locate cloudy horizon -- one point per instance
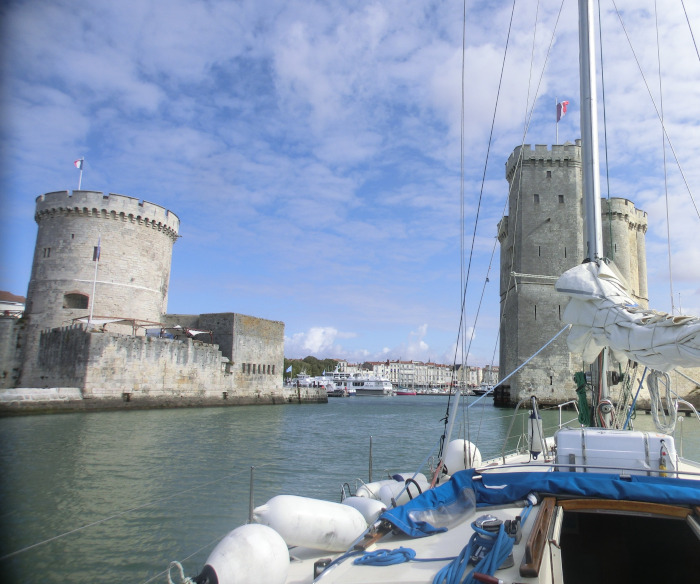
(312, 150)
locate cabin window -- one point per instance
(47, 252)
(75, 300)
(561, 199)
(537, 199)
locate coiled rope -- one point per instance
(496, 549)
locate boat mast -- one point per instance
(589, 132)
(591, 175)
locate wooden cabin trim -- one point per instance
(536, 543)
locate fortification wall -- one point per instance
(109, 370)
(10, 350)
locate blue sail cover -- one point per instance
(503, 488)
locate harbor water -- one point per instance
(114, 497)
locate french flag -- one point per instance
(79, 163)
(561, 109)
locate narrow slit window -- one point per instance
(561, 199)
(537, 199)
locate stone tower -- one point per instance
(136, 241)
(542, 237)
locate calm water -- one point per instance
(135, 490)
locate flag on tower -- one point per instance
(288, 369)
(561, 110)
(79, 163)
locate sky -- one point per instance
(312, 149)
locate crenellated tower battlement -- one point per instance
(559, 155)
(110, 206)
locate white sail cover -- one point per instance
(602, 314)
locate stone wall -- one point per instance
(110, 370)
(10, 350)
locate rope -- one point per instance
(498, 548)
(494, 549)
(183, 579)
(665, 423)
(386, 557)
(584, 411)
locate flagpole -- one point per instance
(556, 116)
(94, 279)
(79, 165)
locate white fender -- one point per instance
(370, 508)
(371, 490)
(458, 454)
(391, 491)
(250, 553)
(312, 523)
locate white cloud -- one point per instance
(311, 150)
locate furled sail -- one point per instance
(603, 314)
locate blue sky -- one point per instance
(312, 149)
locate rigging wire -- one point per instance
(690, 28)
(115, 515)
(611, 247)
(465, 284)
(658, 114)
(663, 147)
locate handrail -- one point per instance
(553, 466)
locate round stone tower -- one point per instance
(624, 241)
(134, 241)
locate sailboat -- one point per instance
(587, 505)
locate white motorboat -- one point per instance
(587, 505)
(365, 384)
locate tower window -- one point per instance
(549, 174)
(47, 252)
(75, 300)
(561, 199)
(539, 250)
(535, 311)
(537, 199)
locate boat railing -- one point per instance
(680, 425)
(522, 441)
(623, 471)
